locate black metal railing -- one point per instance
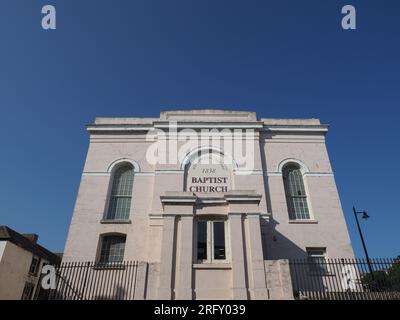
(345, 279)
(89, 281)
(316, 279)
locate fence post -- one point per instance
(141, 281)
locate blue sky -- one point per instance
(136, 58)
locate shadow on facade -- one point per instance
(265, 177)
(278, 246)
(306, 277)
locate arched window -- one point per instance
(112, 248)
(296, 196)
(121, 193)
(207, 170)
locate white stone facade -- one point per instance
(170, 198)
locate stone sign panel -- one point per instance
(208, 178)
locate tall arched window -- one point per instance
(121, 193)
(296, 196)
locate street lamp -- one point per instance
(365, 216)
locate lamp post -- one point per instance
(365, 216)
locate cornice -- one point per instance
(255, 125)
(296, 128)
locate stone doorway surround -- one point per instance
(242, 278)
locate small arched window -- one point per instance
(121, 193)
(112, 248)
(296, 196)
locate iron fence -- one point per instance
(91, 281)
(345, 279)
(322, 279)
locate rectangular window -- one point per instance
(202, 240)
(219, 240)
(316, 258)
(211, 241)
(33, 269)
(28, 291)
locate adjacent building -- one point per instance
(214, 202)
(21, 260)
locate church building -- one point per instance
(213, 202)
